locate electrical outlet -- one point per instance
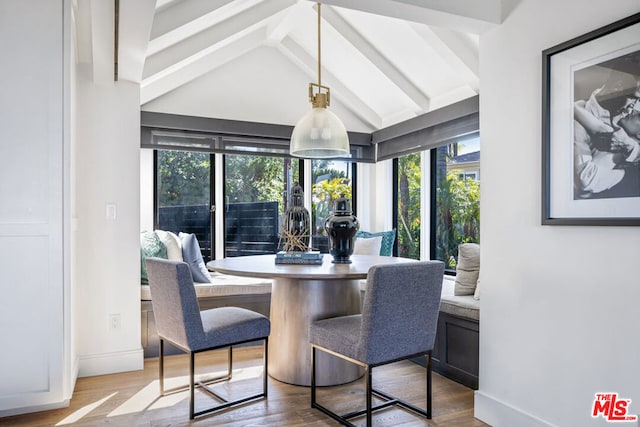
(114, 322)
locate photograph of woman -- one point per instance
(606, 151)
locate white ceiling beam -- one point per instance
(213, 35)
(381, 62)
(102, 40)
(482, 10)
(210, 59)
(307, 63)
(163, 4)
(136, 18)
(81, 13)
(470, 16)
(456, 50)
(278, 30)
(178, 14)
(178, 30)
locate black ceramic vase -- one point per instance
(341, 227)
(296, 223)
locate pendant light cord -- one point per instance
(319, 79)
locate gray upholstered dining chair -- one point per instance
(398, 321)
(180, 322)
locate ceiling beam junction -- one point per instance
(378, 59)
(306, 62)
(194, 45)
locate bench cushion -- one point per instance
(461, 305)
(458, 305)
(223, 285)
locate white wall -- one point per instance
(560, 317)
(108, 250)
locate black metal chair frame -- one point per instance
(203, 385)
(388, 399)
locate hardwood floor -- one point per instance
(131, 398)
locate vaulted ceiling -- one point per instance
(385, 60)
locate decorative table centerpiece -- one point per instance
(341, 228)
(295, 233)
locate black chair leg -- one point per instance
(192, 374)
(369, 381)
(265, 359)
(204, 383)
(429, 385)
(388, 400)
(161, 367)
(313, 377)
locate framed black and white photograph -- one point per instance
(591, 128)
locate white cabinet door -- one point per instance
(32, 208)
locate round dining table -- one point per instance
(301, 294)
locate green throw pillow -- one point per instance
(150, 246)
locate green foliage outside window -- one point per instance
(458, 215)
(324, 195)
(408, 226)
(333, 184)
(457, 208)
(181, 175)
(253, 178)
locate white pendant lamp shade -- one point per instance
(319, 134)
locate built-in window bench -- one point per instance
(223, 291)
(456, 351)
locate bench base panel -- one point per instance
(456, 351)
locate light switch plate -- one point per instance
(111, 212)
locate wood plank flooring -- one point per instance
(131, 399)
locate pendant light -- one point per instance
(319, 134)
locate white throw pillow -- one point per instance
(468, 269)
(476, 294)
(172, 242)
(367, 246)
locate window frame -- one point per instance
(354, 191)
(433, 182)
(224, 187)
(212, 196)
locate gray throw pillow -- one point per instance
(467, 269)
(191, 255)
(150, 246)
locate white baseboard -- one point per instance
(498, 414)
(34, 408)
(111, 363)
(71, 384)
(75, 370)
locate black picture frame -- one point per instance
(566, 70)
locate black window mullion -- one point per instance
(432, 201)
(396, 206)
